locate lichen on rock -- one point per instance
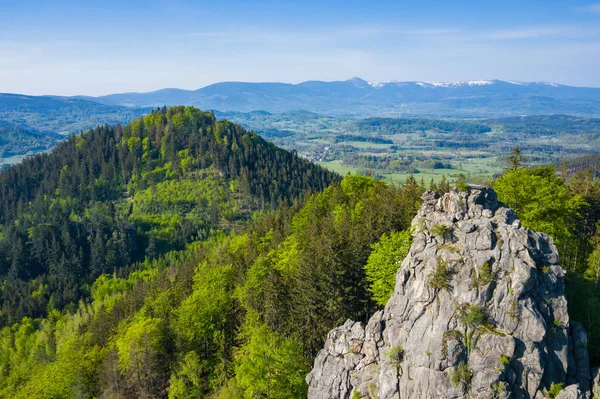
(478, 309)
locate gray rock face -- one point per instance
(478, 311)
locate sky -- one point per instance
(99, 47)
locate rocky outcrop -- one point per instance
(478, 311)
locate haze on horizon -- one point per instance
(96, 48)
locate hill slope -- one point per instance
(113, 196)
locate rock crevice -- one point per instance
(478, 311)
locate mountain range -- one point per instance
(480, 98)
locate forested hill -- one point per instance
(116, 195)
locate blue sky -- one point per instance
(100, 47)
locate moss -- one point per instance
(499, 390)
(504, 360)
(373, 388)
(557, 323)
(555, 389)
(546, 269)
(449, 248)
(448, 335)
(356, 394)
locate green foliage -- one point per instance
(471, 316)
(500, 390)
(139, 343)
(113, 196)
(592, 272)
(270, 365)
(384, 262)
(504, 360)
(485, 275)
(88, 252)
(461, 377)
(515, 159)
(395, 355)
(555, 389)
(440, 278)
(557, 323)
(202, 316)
(461, 183)
(441, 230)
(541, 200)
(188, 381)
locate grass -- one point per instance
(338, 166)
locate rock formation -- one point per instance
(478, 311)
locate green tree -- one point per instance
(189, 382)
(384, 262)
(140, 348)
(515, 159)
(270, 366)
(541, 200)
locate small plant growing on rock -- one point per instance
(461, 183)
(499, 390)
(557, 323)
(555, 389)
(441, 230)
(396, 356)
(485, 275)
(356, 394)
(513, 312)
(373, 390)
(504, 362)
(440, 278)
(546, 269)
(461, 377)
(471, 316)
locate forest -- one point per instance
(181, 256)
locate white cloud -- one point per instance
(375, 53)
(565, 32)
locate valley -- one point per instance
(394, 149)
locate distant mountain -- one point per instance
(481, 98)
(53, 114)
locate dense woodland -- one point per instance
(16, 140)
(417, 125)
(114, 196)
(184, 257)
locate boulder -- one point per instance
(478, 311)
